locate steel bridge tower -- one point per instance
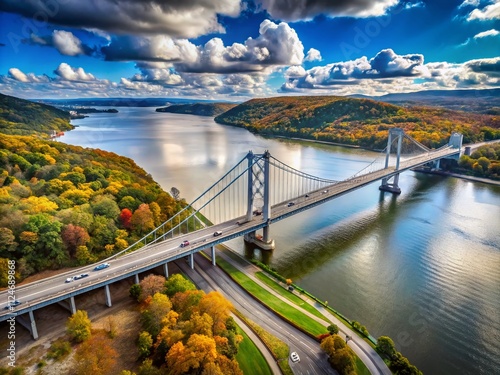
(259, 197)
(386, 186)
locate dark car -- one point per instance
(81, 276)
(185, 243)
(101, 266)
(291, 204)
(257, 212)
(217, 233)
(12, 304)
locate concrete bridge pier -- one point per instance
(108, 295)
(68, 304)
(30, 326)
(212, 250)
(136, 278)
(191, 261)
(165, 267)
(260, 241)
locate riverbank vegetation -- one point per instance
(199, 109)
(23, 117)
(484, 162)
(360, 122)
(63, 205)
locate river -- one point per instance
(422, 267)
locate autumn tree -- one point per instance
(78, 326)
(125, 216)
(186, 302)
(73, 237)
(219, 308)
(142, 219)
(95, 356)
(199, 351)
(156, 308)
(150, 285)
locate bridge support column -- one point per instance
(72, 305)
(108, 295)
(212, 249)
(136, 278)
(34, 331)
(165, 267)
(191, 261)
(258, 240)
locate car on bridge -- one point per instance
(290, 204)
(185, 243)
(217, 233)
(101, 266)
(12, 304)
(257, 212)
(76, 277)
(294, 357)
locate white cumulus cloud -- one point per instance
(489, 12)
(66, 43)
(68, 73)
(313, 55)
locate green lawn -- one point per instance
(290, 296)
(282, 308)
(361, 368)
(250, 358)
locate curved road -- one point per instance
(312, 359)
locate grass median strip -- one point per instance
(290, 296)
(288, 312)
(250, 358)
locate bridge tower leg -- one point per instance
(386, 186)
(256, 181)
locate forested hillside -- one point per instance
(63, 205)
(200, 109)
(22, 117)
(361, 122)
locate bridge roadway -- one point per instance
(54, 289)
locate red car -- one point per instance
(185, 243)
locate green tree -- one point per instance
(105, 205)
(177, 283)
(386, 346)
(135, 291)
(333, 329)
(144, 343)
(78, 326)
(156, 308)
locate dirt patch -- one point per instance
(50, 322)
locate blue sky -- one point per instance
(236, 50)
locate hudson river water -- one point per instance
(422, 267)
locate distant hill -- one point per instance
(480, 101)
(361, 122)
(120, 102)
(23, 117)
(200, 109)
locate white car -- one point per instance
(294, 357)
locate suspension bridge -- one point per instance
(257, 192)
